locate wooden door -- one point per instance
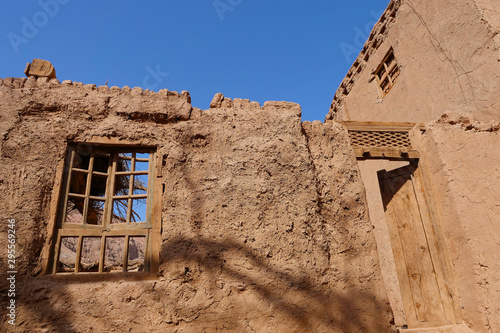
(407, 214)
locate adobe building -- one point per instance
(134, 211)
(436, 64)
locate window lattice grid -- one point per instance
(106, 188)
(365, 139)
(85, 254)
(105, 218)
(387, 73)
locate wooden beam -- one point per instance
(102, 254)
(125, 254)
(375, 152)
(100, 232)
(78, 254)
(378, 126)
(99, 277)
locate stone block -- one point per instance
(217, 101)
(40, 68)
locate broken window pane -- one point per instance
(74, 211)
(67, 254)
(95, 212)
(119, 214)
(81, 159)
(122, 184)
(98, 185)
(136, 250)
(114, 253)
(106, 189)
(101, 162)
(78, 182)
(91, 252)
(125, 155)
(123, 162)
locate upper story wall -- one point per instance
(448, 55)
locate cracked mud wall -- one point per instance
(463, 158)
(264, 218)
(448, 53)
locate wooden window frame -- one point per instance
(388, 72)
(150, 229)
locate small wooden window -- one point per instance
(387, 73)
(105, 217)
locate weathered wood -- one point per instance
(102, 254)
(53, 214)
(375, 152)
(127, 226)
(99, 232)
(87, 189)
(101, 276)
(434, 247)
(75, 195)
(128, 173)
(97, 198)
(125, 254)
(414, 262)
(378, 126)
(68, 182)
(135, 196)
(397, 248)
(154, 238)
(159, 165)
(108, 229)
(56, 254)
(78, 254)
(424, 184)
(130, 190)
(112, 185)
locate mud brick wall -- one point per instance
(264, 218)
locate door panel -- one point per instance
(419, 283)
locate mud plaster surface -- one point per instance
(264, 219)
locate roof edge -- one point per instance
(377, 36)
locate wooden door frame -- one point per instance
(433, 224)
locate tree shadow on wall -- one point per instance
(340, 306)
(293, 294)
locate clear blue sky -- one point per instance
(295, 51)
